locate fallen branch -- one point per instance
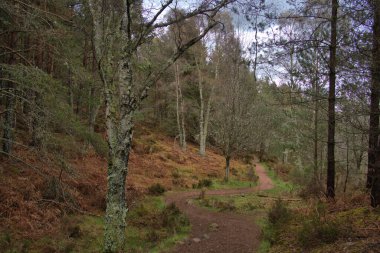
(269, 197)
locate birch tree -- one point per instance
(232, 122)
(205, 107)
(180, 108)
(206, 87)
(120, 29)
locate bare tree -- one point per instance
(120, 29)
(232, 122)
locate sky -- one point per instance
(246, 34)
(247, 37)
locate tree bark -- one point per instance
(9, 119)
(10, 103)
(373, 176)
(228, 158)
(331, 103)
(202, 137)
(316, 118)
(180, 110)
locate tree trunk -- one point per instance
(10, 103)
(93, 109)
(373, 177)
(205, 116)
(202, 137)
(9, 119)
(180, 111)
(316, 118)
(347, 161)
(183, 145)
(119, 138)
(228, 158)
(331, 102)
(115, 218)
(261, 152)
(256, 48)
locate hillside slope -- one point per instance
(37, 190)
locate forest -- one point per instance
(189, 126)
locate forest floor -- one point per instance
(57, 205)
(54, 201)
(219, 231)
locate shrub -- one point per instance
(153, 236)
(173, 219)
(212, 175)
(249, 206)
(176, 174)
(251, 175)
(156, 189)
(312, 189)
(202, 194)
(234, 172)
(248, 158)
(283, 168)
(203, 183)
(278, 213)
(179, 182)
(226, 206)
(315, 232)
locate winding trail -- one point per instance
(234, 233)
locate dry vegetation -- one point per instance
(39, 192)
(316, 224)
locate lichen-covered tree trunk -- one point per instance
(204, 116)
(115, 218)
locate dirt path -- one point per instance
(235, 233)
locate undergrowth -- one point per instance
(151, 227)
